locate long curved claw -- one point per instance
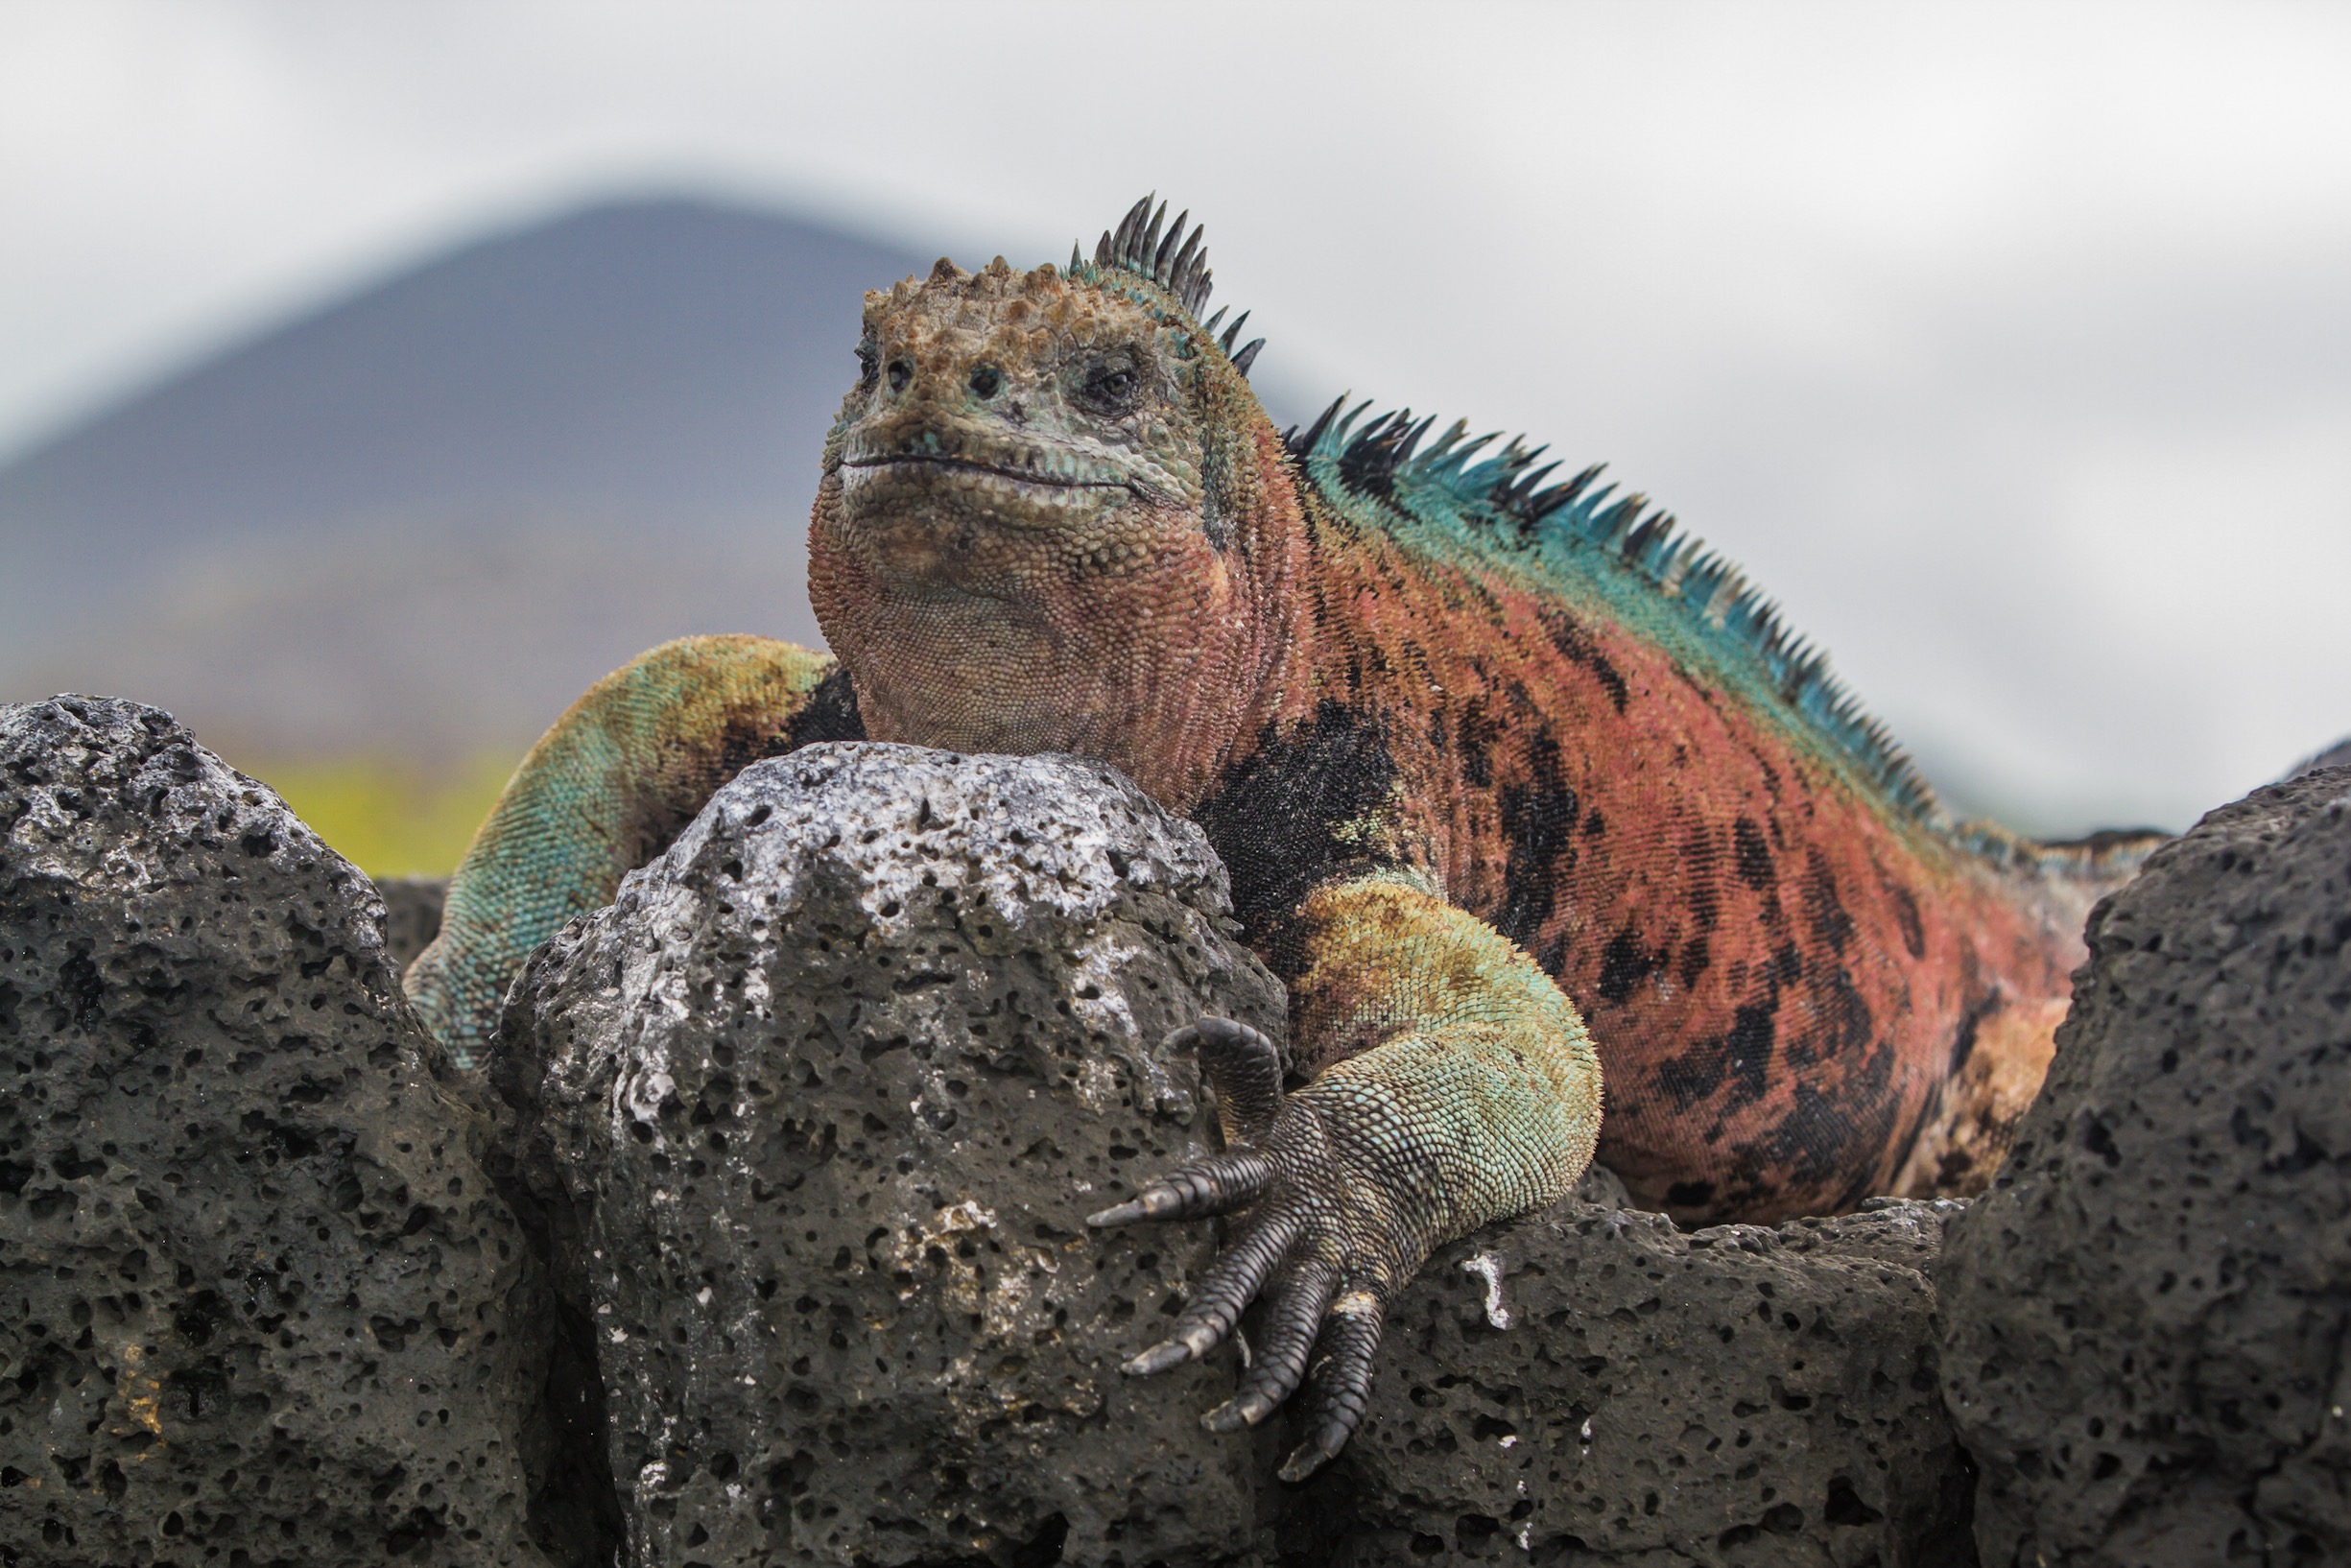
(1230, 1284)
(1341, 1382)
(1328, 1238)
(1292, 1322)
(1221, 1182)
(1244, 1069)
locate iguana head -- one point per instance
(1028, 528)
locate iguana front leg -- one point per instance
(1462, 1089)
(603, 791)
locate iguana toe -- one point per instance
(1294, 1319)
(1318, 1243)
(1341, 1381)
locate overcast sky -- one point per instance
(2010, 349)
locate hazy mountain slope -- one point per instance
(421, 519)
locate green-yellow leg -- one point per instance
(603, 791)
(1466, 1090)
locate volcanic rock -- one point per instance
(820, 1103)
(411, 914)
(2144, 1322)
(259, 1302)
(1592, 1386)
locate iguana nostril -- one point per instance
(985, 381)
(900, 373)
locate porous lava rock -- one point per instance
(2144, 1322)
(411, 914)
(818, 1104)
(1590, 1386)
(259, 1303)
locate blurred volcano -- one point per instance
(418, 522)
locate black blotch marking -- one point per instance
(1741, 1055)
(1694, 956)
(1824, 909)
(1626, 965)
(1839, 1024)
(1746, 1052)
(1594, 824)
(1753, 856)
(1839, 1138)
(1478, 732)
(830, 714)
(1694, 1075)
(1275, 815)
(1813, 1141)
(1906, 915)
(1538, 827)
(1575, 646)
(1963, 1038)
(1552, 956)
(1689, 1195)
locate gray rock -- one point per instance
(2338, 755)
(2144, 1321)
(259, 1302)
(1592, 1386)
(818, 1106)
(411, 914)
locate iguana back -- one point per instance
(1806, 983)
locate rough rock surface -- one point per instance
(818, 1106)
(411, 914)
(2145, 1320)
(2338, 755)
(258, 1301)
(825, 1096)
(1593, 1386)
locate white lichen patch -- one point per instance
(1490, 1266)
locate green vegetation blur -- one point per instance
(389, 818)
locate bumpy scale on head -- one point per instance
(1032, 486)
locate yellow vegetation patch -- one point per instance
(389, 818)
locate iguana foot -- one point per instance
(1323, 1241)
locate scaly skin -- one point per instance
(606, 789)
(1469, 748)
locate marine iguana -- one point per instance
(1517, 786)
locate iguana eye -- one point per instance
(900, 373)
(1110, 389)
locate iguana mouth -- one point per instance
(1059, 482)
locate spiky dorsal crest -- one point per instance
(1162, 255)
(1499, 508)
